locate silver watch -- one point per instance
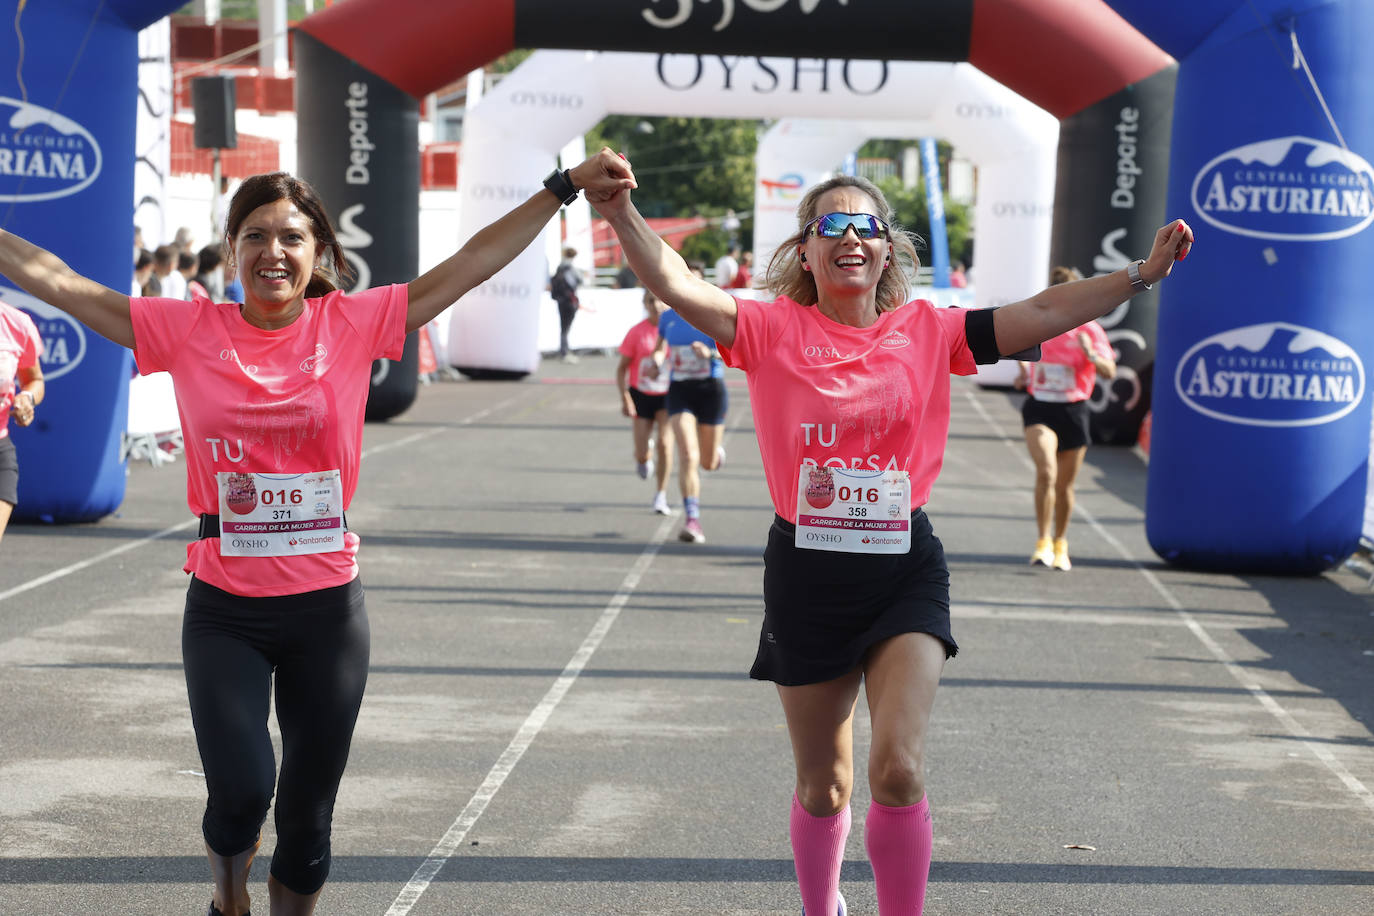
(1133, 274)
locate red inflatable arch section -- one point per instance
(1063, 55)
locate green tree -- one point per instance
(909, 204)
(685, 166)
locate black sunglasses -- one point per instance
(834, 225)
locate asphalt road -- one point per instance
(558, 718)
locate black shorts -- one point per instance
(9, 471)
(823, 610)
(704, 397)
(1068, 421)
(647, 406)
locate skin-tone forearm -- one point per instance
(28, 396)
(46, 277)
(1057, 309)
(497, 244)
(663, 272)
(1067, 305)
(479, 260)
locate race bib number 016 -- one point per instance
(853, 511)
(280, 515)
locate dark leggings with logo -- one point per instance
(316, 646)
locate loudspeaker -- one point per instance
(213, 99)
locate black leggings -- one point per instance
(317, 645)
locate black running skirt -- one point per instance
(823, 610)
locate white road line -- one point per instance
(1294, 727)
(133, 545)
(91, 561)
(452, 840)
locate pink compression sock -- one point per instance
(898, 842)
(818, 851)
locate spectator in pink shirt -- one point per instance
(271, 395)
(1055, 419)
(850, 387)
(20, 353)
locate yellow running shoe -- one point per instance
(1061, 555)
(1044, 553)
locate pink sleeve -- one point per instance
(33, 343)
(378, 315)
(160, 328)
(751, 336)
(953, 321)
(627, 346)
(1101, 344)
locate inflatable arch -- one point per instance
(67, 183)
(361, 65)
(1261, 432)
(494, 326)
(1246, 473)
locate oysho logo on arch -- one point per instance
(1291, 188)
(1273, 374)
(43, 155)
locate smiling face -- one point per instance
(848, 265)
(276, 251)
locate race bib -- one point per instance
(853, 511)
(689, 364)
(651, 379)
(280, 515)
(1054, 381)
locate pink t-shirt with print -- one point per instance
(875, 398)
(20, 348)
(283, 401)
(638, 345)
(1064, 374)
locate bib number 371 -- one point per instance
(280, 515)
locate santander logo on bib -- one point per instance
(1293, 188)
(894, 341)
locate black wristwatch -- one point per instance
(560, 185)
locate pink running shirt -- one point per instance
(20, 348)
(875, 398)
(283, 401)
(638, 345)
(1064, 374)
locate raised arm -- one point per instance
(45, 276)
(1063, 306)
(497, 245)
(662, 270)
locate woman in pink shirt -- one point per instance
(850, 384)
(20, 350)
(643, 391)
(1055, 418)
(271, 396)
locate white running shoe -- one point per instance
(720, 457)
(644, 469)
(661, 504)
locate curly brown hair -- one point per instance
(786, 277)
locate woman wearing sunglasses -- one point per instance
(850, 386)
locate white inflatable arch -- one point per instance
(515, 134)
